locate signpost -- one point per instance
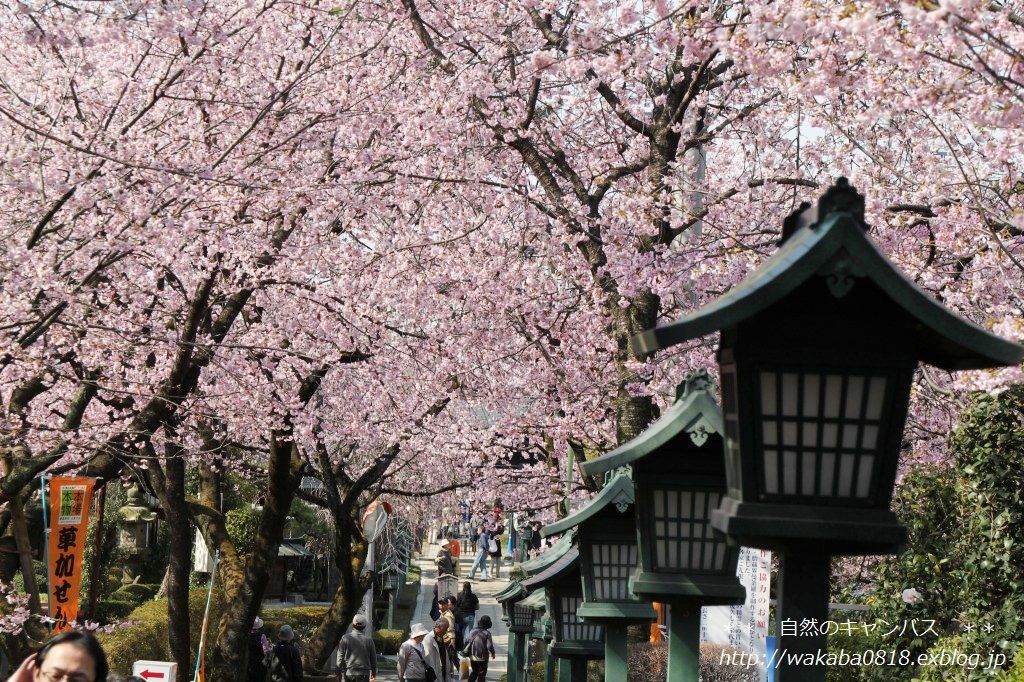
(158, 671)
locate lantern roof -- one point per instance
(837, 247)
(553, 554)
(694, 412)
(513, 591)
(536, 601)
(618, 491)
(568, 563)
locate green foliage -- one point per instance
(113, 610)
(137, 593)
(40, 570)
(388, 641)
(243, 525)
(303, 619)
(1016, 673)
(146, 637)
(306, 522)
(966, 548)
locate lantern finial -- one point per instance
(842, 198)
(699, 380)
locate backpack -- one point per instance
(276, 672)
(476, 646)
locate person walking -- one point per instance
(483, 542)
(455, 549)
(284, 664)
(494, 550)
(448, 615)
(357, 655)
(479, 644)
(438, 652)
(468, 603)
(412, 665)
(259, 647)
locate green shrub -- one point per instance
(135, 593)
(146, 637)
(388, 641)
(139, 641)
(303, 619)
(112, 610)
(1016, 673)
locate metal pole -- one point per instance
(683, 643)
(549, 665)
(803, 594)
(578, 670)
(370, 564)
(615, 651)
(45, 498)
(512, 669)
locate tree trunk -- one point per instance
(180, 533)
(24, 544)
(227, 661)
(19, 529)
(632, 413)
(350, 555)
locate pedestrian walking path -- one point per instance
(485, 589)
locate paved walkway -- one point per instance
(485, 589)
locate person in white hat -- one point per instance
(357, 656)
(412, 664)
(444, 560)
(259, 647)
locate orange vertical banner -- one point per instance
(69, 521)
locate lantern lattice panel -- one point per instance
(683, 537)
(613, 564)
(820, 433)
(574, 629)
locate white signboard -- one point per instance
(202, 559)
(157, 671)
(744, 627)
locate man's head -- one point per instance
(440, 627)
(72, 657)
(442, 604)
(359, 621)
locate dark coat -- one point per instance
(290, 661)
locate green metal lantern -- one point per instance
(817, 353)
(562, 585)
(608, 557)
(679, 474)
(818, 349)
(514, 592)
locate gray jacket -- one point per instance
(357, 654)
(410, 664)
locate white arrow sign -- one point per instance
(155, 671)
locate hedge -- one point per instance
(146, 636)
(388, 641)
(136, 593)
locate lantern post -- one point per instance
(608, 557)
(817, 353)
(679, 474)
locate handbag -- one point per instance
(493, 546)
(429, 675)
